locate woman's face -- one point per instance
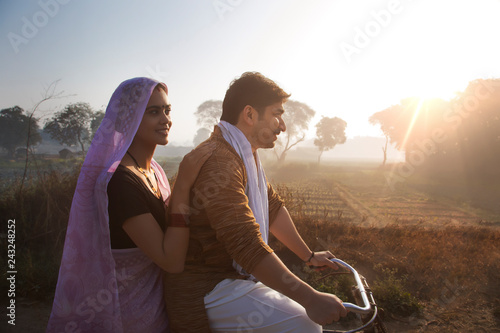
(156, 121)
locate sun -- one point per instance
(429, 93)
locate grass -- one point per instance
(391, 292)
(41, 212)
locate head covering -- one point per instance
(86, 297)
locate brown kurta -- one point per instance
(222, 228)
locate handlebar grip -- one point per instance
(353, 307)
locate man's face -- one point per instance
(269, 125)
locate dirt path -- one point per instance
(32, 317)
(368, 216)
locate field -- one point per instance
(433, 258)
(361, 194)
(431, 253)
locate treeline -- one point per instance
(75, 125)
(458, 136)
(330, 131)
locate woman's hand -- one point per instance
(191, 164)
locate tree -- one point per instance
(71, 126)
(296, 117)
(473, 135)
(14, 129)
(201, 135)
(209, 113)
(96, 122)
(49, 93)
(410, 122)
(329, 133)
(374, 120)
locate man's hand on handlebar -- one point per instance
(325, 308)
(322, 259)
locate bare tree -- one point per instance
(296, 117)
(384, 149)
(48, 94)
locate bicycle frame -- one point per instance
(368, 307)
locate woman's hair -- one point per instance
(162, 86)
(253, 89)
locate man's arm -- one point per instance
(322, 308)
(284, 230)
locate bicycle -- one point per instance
(369, 312)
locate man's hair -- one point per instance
(253, 89)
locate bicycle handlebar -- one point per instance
(353, 307)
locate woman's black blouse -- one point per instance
(129, 196)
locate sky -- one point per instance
(343, 58)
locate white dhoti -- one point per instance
(248, 307)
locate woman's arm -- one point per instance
(168, 250)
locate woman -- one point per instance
(110, 279)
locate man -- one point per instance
(233, 209)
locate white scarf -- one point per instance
(256, 189)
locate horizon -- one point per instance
(340, 152)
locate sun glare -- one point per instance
(413, 120)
